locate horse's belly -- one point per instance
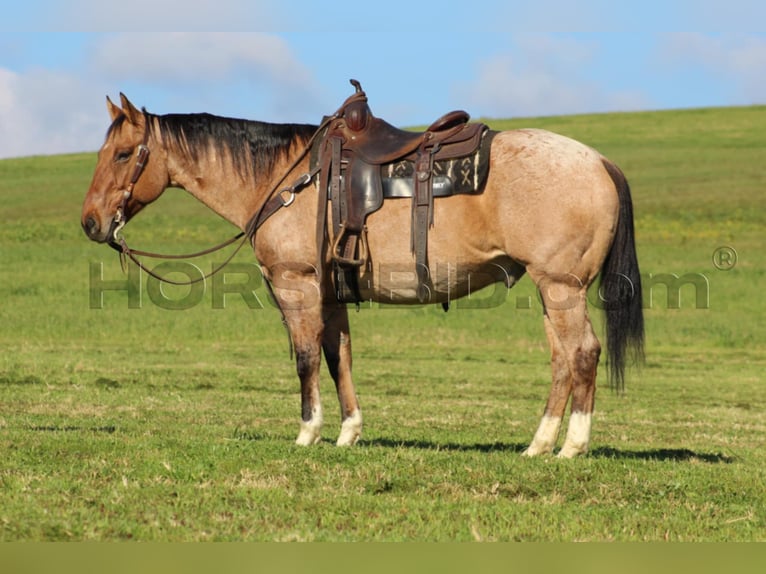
(460, 262)
(398, 283)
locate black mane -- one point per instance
(254, 147)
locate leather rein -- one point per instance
(276, 199)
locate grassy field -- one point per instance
(120, 423)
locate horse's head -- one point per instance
(125, 179)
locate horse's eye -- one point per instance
(123, 156)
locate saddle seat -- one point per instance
(377, 142)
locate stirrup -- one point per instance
(352, 244)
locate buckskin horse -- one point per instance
(550, 207)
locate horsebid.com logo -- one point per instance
(244, 283)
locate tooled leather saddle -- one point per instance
(363, 160)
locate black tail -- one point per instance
(621, 289)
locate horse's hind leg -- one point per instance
(584, 351)
(548, 431)
(336, 343)
(575, 352)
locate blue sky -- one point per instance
(290, 60)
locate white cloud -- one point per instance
(543, 75)
(7, 81)
(44, 112)
(738, 60)
(193, 57)
(208, 64)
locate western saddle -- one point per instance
(351, 154)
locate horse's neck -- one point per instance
(216, 184)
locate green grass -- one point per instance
(150, 424)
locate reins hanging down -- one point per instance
(276, 199)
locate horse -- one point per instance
(551, 207)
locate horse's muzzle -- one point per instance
(94, 230)
(91, 228)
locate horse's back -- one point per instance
(548, 205)
(543, 161)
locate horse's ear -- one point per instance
(114, 110)
(133, 114)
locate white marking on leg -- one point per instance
(311, 430)
(578, 435)
(351, 429)
(545, 437)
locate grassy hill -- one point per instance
(153, 424)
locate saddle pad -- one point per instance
(464, 175)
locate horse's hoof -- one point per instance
(309, 435)
(571, 451)
(307, 439)
(350, 430)
(530, 452)
(347, 440)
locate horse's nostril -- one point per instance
(90, 226)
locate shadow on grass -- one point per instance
(664, 454)
(109, 429)
(449, 446)
(660, 454)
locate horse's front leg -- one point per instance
(306, 333)
(297, 294)
(336, 343)
(307, 357)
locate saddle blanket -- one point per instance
(465, 175)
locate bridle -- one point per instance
(276, 199)
(119, 220)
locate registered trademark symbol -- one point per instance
(725, 258)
